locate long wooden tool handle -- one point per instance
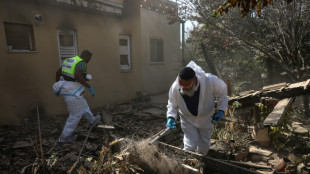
(158, 136)
(158, 133)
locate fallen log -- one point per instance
(279, 91)
(209, 163)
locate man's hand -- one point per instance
(92, 91)
(78, 76)
(171, 123)
(218, 116)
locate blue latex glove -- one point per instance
(92, 91)
(218, 116)
(171, 123)
(57, 93)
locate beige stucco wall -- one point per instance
(27, 78)
(158, 77)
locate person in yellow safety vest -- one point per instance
(71, 78)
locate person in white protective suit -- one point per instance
(192, 96)
(71, 79)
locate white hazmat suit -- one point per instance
(76, 105)
(198, 129)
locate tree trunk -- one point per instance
(306, 105)
(269, 64)
(210, 63)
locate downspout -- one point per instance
(183, 43)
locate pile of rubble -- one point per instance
(120, 145)
(19, 143)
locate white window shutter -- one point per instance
(67, 45)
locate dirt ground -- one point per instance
(136, 121)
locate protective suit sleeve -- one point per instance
(220, 92)
(57, 86)
(172, 107)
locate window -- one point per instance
(67, 46)
(157, 50)
(19, 37)
(124, 51)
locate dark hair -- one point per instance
(187, 73)
(86, 53)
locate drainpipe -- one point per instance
(183, 43)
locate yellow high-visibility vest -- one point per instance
(68, 66)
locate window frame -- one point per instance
(31, 37)
(163, 56)
(125, 67)
(66, 31)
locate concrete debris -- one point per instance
(298, 129)
(256, 150)
(133, 120)
(260, 134)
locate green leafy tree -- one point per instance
(281, 36)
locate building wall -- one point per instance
(158, 77)
(27, 78)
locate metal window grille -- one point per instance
(67, 46)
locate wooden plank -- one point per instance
(275, 117)
(287, 91)
(228, 87)
(246, 92)
(274, 86)
(210, 163)
(306, 84)
(190, 170)
(256, 150)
